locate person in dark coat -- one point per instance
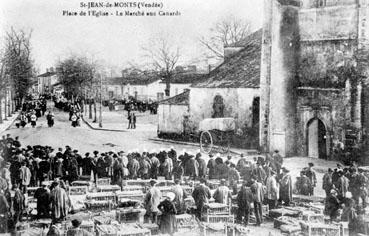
(42, 195)
(211, 166)
(285, 189)
(278, 161)
(303, 184)
(244, 198)
(4, 213)
(18, 204)
(168, 212)
(332, 205)
(310, 173)
(192, 167)
(328, 182)
(201, 195)
(155, 163)
(133, 167)
(202, 165)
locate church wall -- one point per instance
(283, 78)
(237, 101)
(330, 107)
(328, 23)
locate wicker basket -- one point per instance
(313, 218)
(185, 221)
(217, 209)
(101, 196)
(77, 190)
(133, 195)
(213, 219)
(317, 229)
(108, 188)
(130, 215)
(103, 181)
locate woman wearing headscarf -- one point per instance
(168, 210)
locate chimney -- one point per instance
(209, 68)
(52, 69)
(47, 69)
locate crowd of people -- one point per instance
(264, 180)
(32, 109)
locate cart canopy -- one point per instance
(222, 124)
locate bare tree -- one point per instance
(224, 33)
(17, 65)
(164, 58)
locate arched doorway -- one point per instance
(316, 139)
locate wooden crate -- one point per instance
(132, 195)
(130, 215)
(317, 229)
(102, 181)
(108, 188)
(313, 218)
(99, 205)
(185, 221)
(101, 196)
(77, 190)
(133, 188)
(81, 183)
(217, 209)
(219, 219)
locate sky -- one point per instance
(117, 41)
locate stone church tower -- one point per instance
(314, 70)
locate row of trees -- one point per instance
(77, 73)
(16, 69)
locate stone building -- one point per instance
(232, 90)
(313, 83)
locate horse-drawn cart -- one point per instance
(216, 133)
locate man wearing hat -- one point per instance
(272, 190)
(42, 195)
(202, 165)
(222, 194)
(332, 205)
(211, 166)
(327, 182)
(152, 201)
(76, 230)
(192, 167)
(285, 190)
(201, 194)
(310, 173)
(278, 161)
(5, 174)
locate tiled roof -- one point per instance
(254, 38)
(132, 80)
(241, 70)
(185, 78)
(180, 99)
(47, 74)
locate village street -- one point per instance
(86, 139)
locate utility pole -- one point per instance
(100, 119)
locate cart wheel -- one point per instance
(206, 142)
